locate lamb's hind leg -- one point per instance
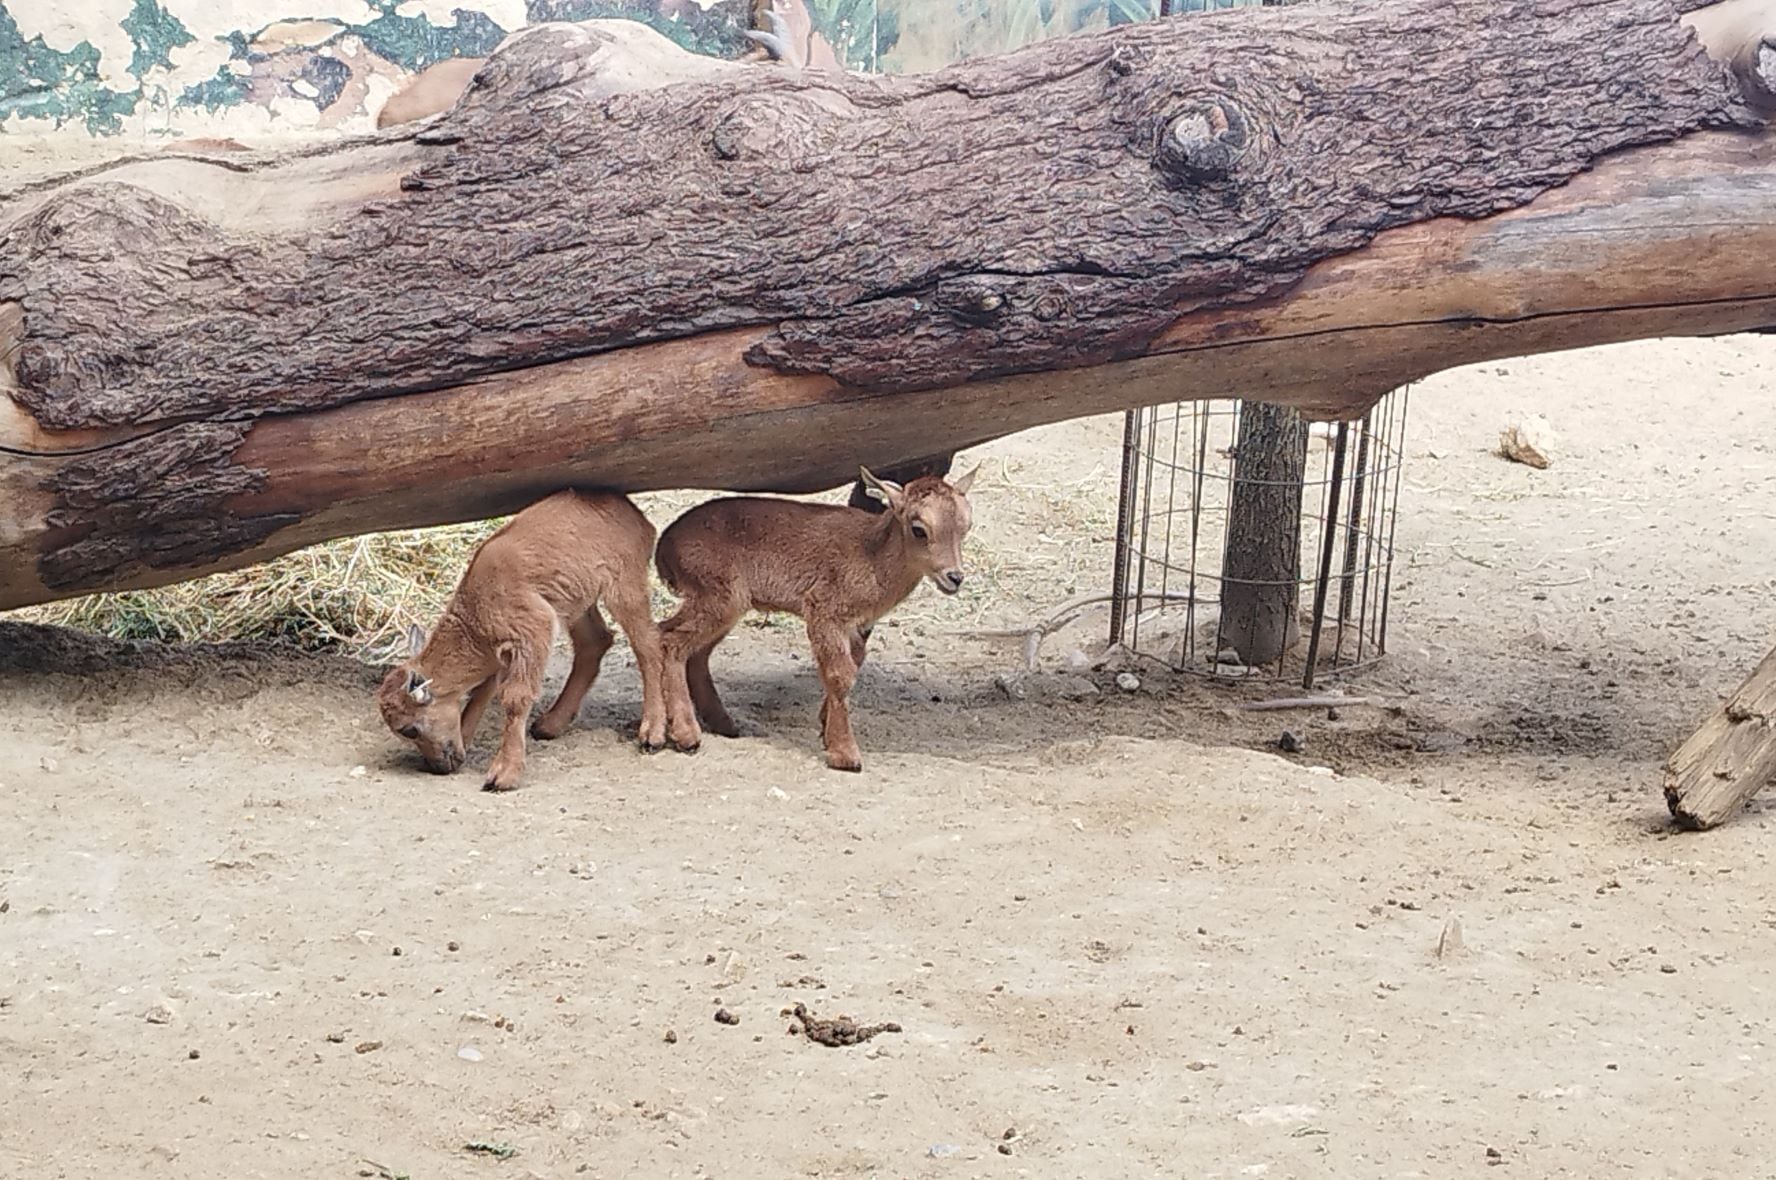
(591, 640)
(522, 658)
(710, 709)
(700, 622)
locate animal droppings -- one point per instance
(839, 1031)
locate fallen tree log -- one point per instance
(1730, 758)
(759, 280)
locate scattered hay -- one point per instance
(358, 594)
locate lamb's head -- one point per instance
(934, 517)
(413, 711)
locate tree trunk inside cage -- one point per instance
(1261, 563)
(1249, 544)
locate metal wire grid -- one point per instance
(1178, 478)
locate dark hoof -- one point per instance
(651, 747)
(541, 734)
(847, 767)
(690, 749)
(495, 785)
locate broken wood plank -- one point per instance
(1730, 758)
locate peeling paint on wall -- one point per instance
(174, 67)
(156, 33)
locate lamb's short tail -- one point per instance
(666, 562)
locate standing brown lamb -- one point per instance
(556, 560)
(839, 568)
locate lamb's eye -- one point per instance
(919, 531)
(410, 731)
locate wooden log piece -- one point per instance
(1730, 758)
(763, 278)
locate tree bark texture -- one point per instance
(1261, 564)
(1730, 758)
(756, 279)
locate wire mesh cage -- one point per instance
(1277, 562)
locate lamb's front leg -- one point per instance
(838, 672)
(522, 685)
(474, 707)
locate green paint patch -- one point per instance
(156, 33)
(38, 82)
(414, 42)
(224, 88)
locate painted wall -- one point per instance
(213, 67)
(170, 68)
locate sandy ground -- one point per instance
(243, 935)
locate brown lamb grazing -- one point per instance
(838, 568)
(554, 561)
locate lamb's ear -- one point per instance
(415, 640)
(967, 481)
(885, 490)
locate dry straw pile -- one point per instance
(358, 594)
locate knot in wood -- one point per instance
(1203, 143)
(973, 301)
(1125, 60)
(1051, 305)
(774, 127)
